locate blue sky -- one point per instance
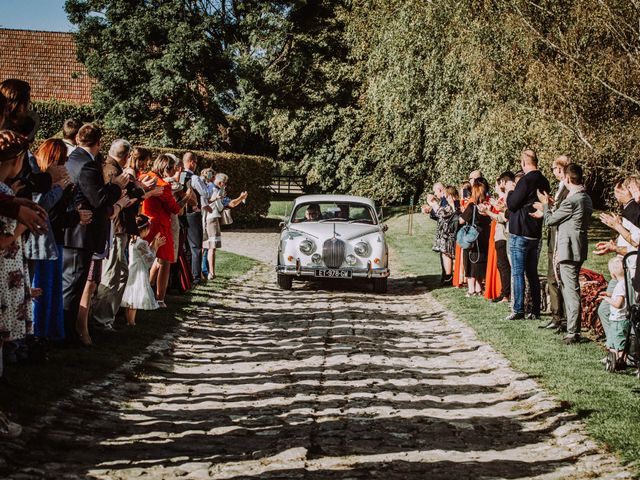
(34, 15)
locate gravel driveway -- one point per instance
(316, 383)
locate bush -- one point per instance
(246, 172)
(53, 113)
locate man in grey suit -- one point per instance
(555, 295)
(572, 218)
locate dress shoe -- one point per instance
(533, 316)
(570, 339)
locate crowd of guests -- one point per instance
(497, 254)
(86, 239)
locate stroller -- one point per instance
(632, 343)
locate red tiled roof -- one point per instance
(47, 60)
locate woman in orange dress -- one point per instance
(458, 265)
(159, 210)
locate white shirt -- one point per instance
(621, 242)
(618, 314)
(560, 187)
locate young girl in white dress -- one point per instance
(138, 294)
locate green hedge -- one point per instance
(246, 172)
(53, 114)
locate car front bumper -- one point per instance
(299, 271)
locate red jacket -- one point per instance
(160, 208)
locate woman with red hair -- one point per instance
(475, 257)
(45, 250)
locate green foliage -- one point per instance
(436, 89)
(246, 172)
(53, 114)
(373, 97)
(162, 71)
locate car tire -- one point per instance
(285, 282)
(380, 285)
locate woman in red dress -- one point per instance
(159, 210)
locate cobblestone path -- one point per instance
(324, 382)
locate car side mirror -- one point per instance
(385, 227)
(282, 224)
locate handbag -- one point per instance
(225, 217)
(468, 234)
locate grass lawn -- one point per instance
(32, 387)
(279, 209)
(609, 403)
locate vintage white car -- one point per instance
(333, 236)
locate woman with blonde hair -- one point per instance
(159, 210)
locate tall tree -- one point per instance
(162, 68)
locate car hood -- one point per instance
(324, 230)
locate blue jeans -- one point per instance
(205, 263)
(524, 261)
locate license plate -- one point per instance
(330, 273)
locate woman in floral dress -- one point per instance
(445, 240)
(16, 317)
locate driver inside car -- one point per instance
(312, 214)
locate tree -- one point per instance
(162, 71)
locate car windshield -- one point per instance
(333, 212)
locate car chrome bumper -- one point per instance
(310, 271)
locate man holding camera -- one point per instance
(115, 273)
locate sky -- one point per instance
(34, 15)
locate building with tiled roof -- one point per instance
(48, 61)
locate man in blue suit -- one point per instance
(91, 193)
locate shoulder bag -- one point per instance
(468, 234)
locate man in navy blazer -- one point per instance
(91, 193)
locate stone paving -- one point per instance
(327, 381)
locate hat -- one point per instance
(12, 145)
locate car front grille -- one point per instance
(333, 252)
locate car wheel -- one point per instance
(380, 285)
(285, 282)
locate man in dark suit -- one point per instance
(91, 193)
(555, 294)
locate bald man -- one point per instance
(525, 233)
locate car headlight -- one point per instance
(316, 258)
(362, 249)
(307, 246)
(351, 260)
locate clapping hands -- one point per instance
(158, 241)
(611, 220)
(543, 198)
(602, 248)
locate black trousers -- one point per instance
(504, 267)
(75, 270)
(194, 239)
